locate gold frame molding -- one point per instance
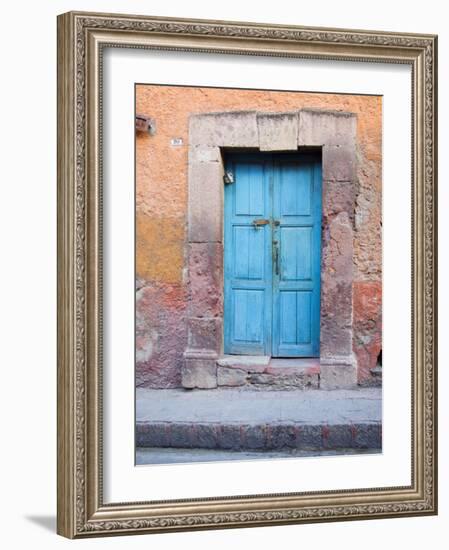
(81, 39)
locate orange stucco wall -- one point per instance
(161, 208)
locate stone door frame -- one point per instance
(210, 133)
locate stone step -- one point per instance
(241, 419)
(265, 372)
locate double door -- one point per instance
(272, 254)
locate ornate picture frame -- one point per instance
(82, 38)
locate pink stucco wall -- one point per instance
(161, 208)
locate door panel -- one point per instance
(248, 316)
(249, 192)
(295, 188)
(247, 270)
(295, 314)
(296, 245)
(249, 261)
(272, 271)
(296, 279)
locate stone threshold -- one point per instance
(266, 372)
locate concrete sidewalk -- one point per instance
(248, 420)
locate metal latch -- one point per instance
(228, 177)
(259, 223)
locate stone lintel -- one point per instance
(319, 127)
(278, 131)
(228, 129)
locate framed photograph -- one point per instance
(246, 274)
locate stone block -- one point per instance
(206, 436)
(338, 196)
(281, 381)
(255, 437)
(320, 127)
(260, 379)
(205, 280)
(335, 339)
(278, 131)
(339, 163)
(336, 287)
(182, 436)
(199, 373)
(229, 436)
(248, 363)
(337, 436)
(153, 435)
(204, 333)
(282, 436)
(205, 224)
(338, 249)
(204, 153)
(231, 377)
(231, 129)
(368, 436)
(309, 437)
(335, 374)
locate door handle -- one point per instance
(276, 257)
(260, 223)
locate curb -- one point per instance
(247, 437)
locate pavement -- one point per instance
(249, 406)
(245, 420)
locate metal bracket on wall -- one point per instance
(145, 124)
(228, 177)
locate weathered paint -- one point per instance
(159, 248)
(161, 196)
(367, 304)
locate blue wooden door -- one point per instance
(297, 250)
(247, 257)
(272, 235)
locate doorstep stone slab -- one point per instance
(244, 360)
(300, 367)
(254, 364)
(248, 363)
